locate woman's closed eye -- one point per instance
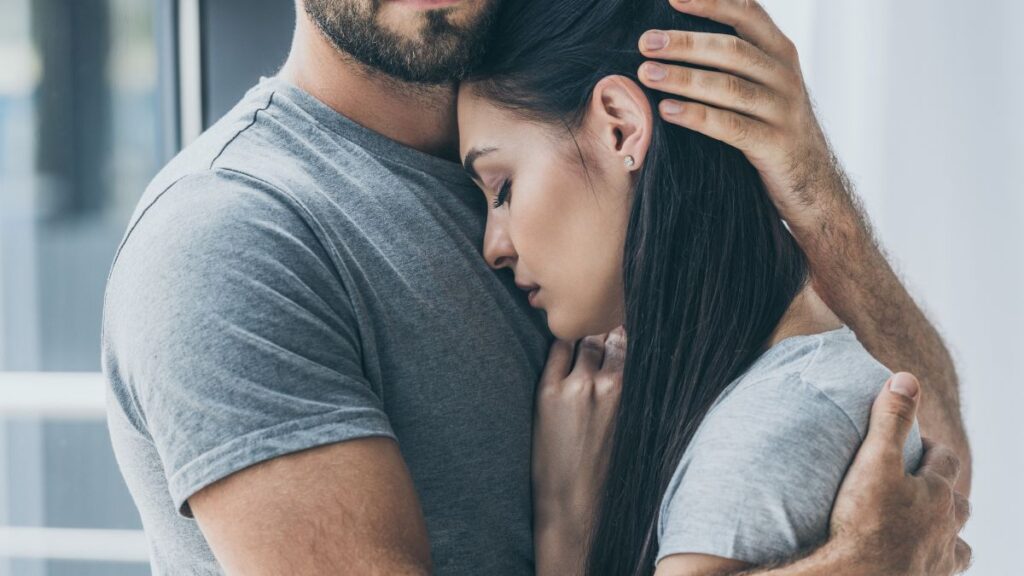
(506, 189)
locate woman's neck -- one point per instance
(807, 314)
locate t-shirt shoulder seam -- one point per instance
(831, 401)
(252, 122)
(808, 382)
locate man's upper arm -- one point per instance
(344, 508)
(234, 344)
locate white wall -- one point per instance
(922, 100)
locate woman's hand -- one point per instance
(755, 101)
(576, 405)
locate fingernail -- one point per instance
(654, 72)
(671, 107)
(904, 385)
(655, 40)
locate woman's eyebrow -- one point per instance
(471, 158)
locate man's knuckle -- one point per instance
(697, 114)
(736, 88)
(737, 126)
(685, 42)
(963, 507)
(790, 49)
(736, 47)
(684, 76)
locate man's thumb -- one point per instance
(893, 414)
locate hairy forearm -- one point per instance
(830, 559)
(853, 276)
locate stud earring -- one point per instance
(629, 162)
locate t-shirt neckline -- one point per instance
(375, 143)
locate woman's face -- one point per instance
(558, 226)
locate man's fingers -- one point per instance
(718, 89)
(963, 509)
(964, 555)
(733, 128)
(750, 20)
(724, 52)
(892, 418)
(941, 462)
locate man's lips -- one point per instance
(427, 4)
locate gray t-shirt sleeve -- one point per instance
(758, 481)
(232, 333)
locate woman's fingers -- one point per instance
(750, 20)
(722, 51)
(609, 380)
(589, 355)
(559, 361)
(614, 351)
(736, 130)
(718, 89)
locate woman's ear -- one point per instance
(620, 115)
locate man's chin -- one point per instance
(409, 19)
(422, 46)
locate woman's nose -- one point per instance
(498, 249)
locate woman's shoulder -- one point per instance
(758, 479)
(817, 377)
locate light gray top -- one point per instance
(758, 480)
(293, 279)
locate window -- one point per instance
(87, 117)
(95, 97)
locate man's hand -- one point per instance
(883, 520)
(755, 101)
(892, 523)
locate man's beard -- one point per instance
(442, 53)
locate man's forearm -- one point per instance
(830, 559)
(852, 275)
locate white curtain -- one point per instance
(923, 102)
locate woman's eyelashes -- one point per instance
(506, 189)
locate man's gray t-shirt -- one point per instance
(759, 478)
(292, 280)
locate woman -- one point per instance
(743, 398)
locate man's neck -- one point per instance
(420, 117)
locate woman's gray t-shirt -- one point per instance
(758, 481)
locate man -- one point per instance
(313, 371)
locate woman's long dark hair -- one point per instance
(709, 267)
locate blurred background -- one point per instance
(922, 100)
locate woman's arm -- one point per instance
(576, 405)
(756, 100)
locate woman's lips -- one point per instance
(532, 297)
